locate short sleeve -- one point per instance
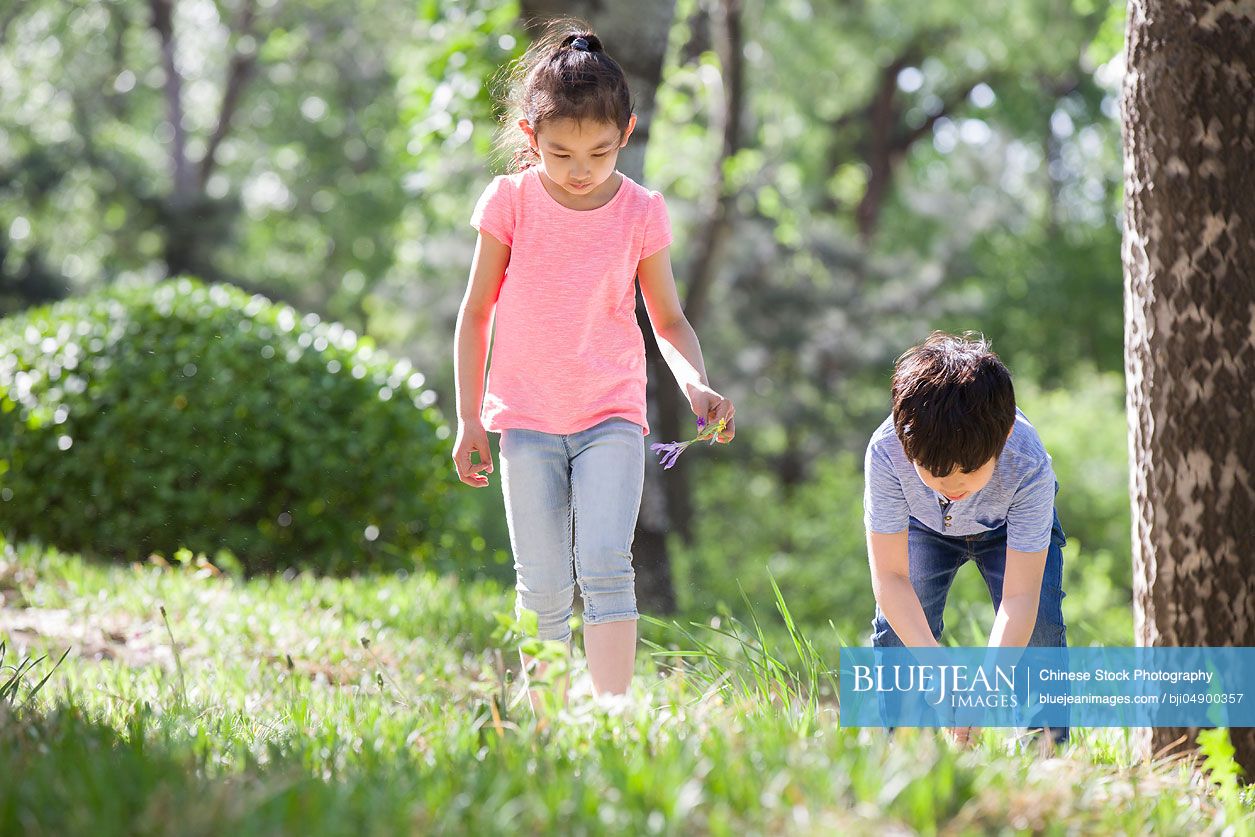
(1031, 514)
(885, 510)
(494, 212)
(657, 226)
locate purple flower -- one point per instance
(668, 452)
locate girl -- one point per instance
(560, 244)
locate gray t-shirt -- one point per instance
(1020, 494)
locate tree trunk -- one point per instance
(709, 241)
(635, 34)
(1189, 265)
(188, 216)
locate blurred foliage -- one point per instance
(352, 118)
(901, 167)
(1001, 187)
(143, 420)
(811, 539)
(364, 134)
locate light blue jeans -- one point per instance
(571, 502)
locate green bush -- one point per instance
(151, 418)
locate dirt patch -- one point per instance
(110, 637)
(13, 578)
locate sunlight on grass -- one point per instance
(382, 704)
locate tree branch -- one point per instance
(886, 88)
(908, 137)
(882, 120)
(6, 20)
(728, 37)
(240, 69)
(118, 22)
(163, 23)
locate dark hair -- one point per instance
(566, 74)
(953, 403)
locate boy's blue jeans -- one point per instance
(934, 560)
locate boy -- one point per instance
(957, 473)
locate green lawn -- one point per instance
(273, 717)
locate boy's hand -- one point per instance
(961, 736)
(711, 406)
(472, 438)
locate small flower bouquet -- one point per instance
(669, 452)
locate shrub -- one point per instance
(146, 419)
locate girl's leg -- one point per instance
(607, 473)
(611, 651)
(536, 485)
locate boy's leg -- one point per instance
(607, 474)
(1050, 630)
(933, 559)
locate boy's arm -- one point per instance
(885, 509)
(1021, 591)
(891, 584)
(1029, 521)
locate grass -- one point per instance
(193, 702)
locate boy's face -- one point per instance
(958, 485)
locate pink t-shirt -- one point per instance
(567, 351)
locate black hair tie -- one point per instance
(581, 44)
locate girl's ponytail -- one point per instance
(566, 74)
(583, 42)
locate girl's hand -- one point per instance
(712, 406)
(472, 438)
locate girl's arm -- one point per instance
(678, 341)
(471, 345)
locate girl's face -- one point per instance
(578, 156)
